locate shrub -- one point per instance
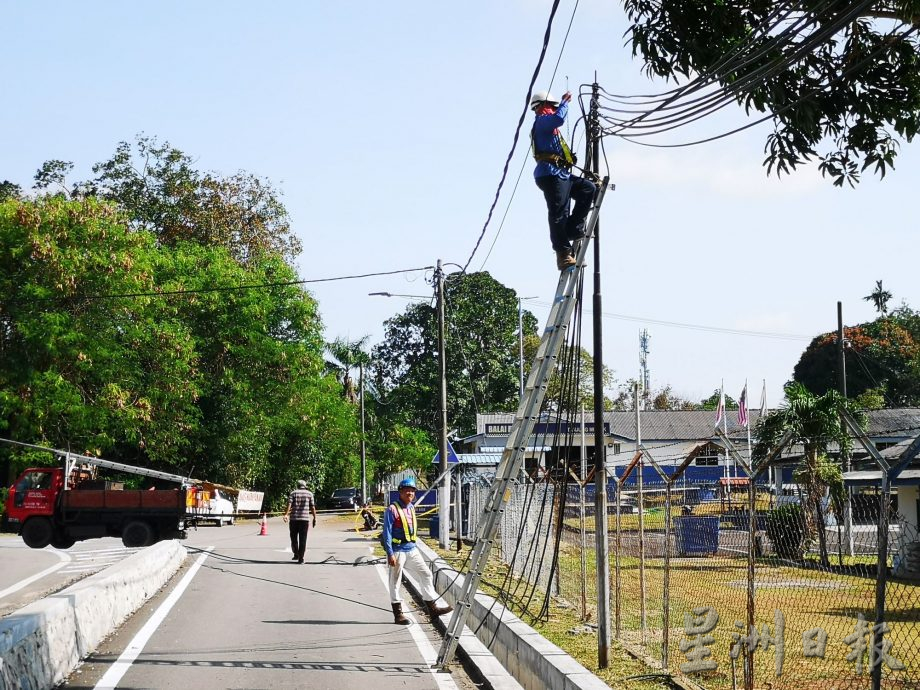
(787, 530)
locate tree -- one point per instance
(159, 190)
(482, 355)
(348, 356)
(8, 190)
(813, 421)
(829, 76)
(879, 297)
(78, 371)
(882, 356)
(556, 399)
(114, 344)
(712, 402)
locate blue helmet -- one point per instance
(408, 482)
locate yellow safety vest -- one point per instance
(408, 527)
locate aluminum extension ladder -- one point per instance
(528, 411)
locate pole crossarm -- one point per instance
(730, 447)
(857, 431)
(905, 458)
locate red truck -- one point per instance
(63, 505)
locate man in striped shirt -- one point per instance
(300, 505)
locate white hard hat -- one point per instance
(542, 97)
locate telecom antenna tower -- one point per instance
(644, 337)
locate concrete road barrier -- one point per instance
(40, 644)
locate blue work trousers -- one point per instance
(564, 226)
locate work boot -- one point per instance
(436, 610)
(398, 616)
(564, 259)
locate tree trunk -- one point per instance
(815, 492)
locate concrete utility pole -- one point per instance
(600, 448)
(444, 489)
(845, 457)
(363, 448)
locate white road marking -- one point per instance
(115, 673)
(65, 558)
(443, 680)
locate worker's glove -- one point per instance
(314, 522)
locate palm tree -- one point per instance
(814, 421)
(347, 356)
(879, 297)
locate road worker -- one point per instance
(398, 539)
(553, 175)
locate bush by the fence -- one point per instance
(787, 531)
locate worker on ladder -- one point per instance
(554, 176)
(398, 539)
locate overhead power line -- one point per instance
(222, 288)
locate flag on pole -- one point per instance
(720, 411)
(763, 399)
(742, 407)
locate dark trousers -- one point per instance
(563, 226)
(299, 530)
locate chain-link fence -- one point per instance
(742, 589)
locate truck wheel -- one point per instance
(62, 541)
(37, 532)
(136, 534)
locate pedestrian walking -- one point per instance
(300, 505)
(398, 539)
(553, 175)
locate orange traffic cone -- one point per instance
(263, 532)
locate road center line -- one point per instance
(113, 676)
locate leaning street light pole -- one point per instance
(444, 489)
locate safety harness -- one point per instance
(408, 527)
(566, 160)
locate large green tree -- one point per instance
(813, 421)
(158, 188)
(882, 358)
(113, 343)
(840, 80)
(79, 370)
(482, 348)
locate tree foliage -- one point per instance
(482, 355)
(882, 358)
(839, 83)
(159, 189)
(113, 343)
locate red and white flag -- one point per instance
(720, 410)
(742, 408)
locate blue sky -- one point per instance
(386, 126)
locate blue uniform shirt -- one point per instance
(394, 529)
(546, 140)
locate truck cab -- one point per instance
(34, 493)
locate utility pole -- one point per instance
(363, 448)
(600, 449)
(444, 489)
(845, 457)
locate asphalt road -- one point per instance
(30, 574)
(241, 614)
